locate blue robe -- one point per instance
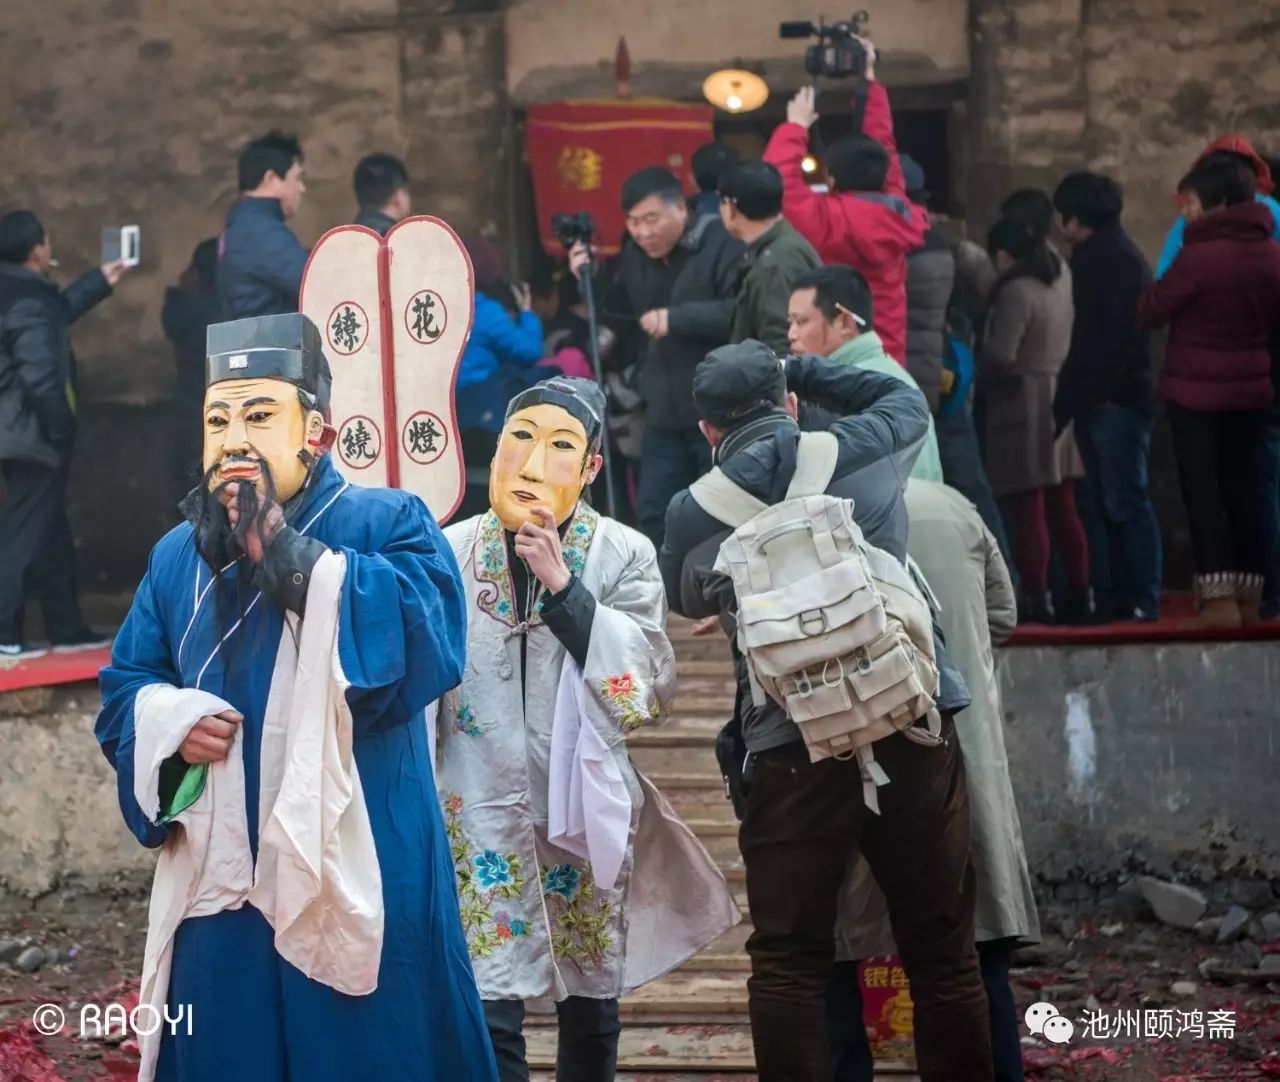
(401, 640)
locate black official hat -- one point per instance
(286, 347)
(580, 398)
(734, 381)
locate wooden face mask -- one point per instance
(248, 422)
(543, 459)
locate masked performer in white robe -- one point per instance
(576, 880)
(263, 712)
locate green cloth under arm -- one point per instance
(181, 784)
(867, 351)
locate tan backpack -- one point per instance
(835, 630)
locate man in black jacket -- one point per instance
(671, 300)
(382, 192)
(804, 821)
(37, 430)
(1107, 390)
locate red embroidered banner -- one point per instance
(580, 154)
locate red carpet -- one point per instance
(52, 669)
(84, 665)
(1174, 609)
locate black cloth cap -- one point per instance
(735, 380)
(286, 347)
(581, 398)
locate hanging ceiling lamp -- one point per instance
(735, 91)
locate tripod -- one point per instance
(588, 283)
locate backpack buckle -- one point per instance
(813, 617)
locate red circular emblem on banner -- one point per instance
(424, 438)
(425, 316)
(359, 442)
(347, 328)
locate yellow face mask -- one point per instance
(246, 420)
(543, 460)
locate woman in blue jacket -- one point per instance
(1240, 147)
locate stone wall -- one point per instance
(134, 111)
(1124, 759)
(1135, 88)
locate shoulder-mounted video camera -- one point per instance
(838, 54)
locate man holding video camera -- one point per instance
(671, 302)
(866, 221)
(37, 431)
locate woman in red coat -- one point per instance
(1221, 301)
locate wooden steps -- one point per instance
(691, 1024)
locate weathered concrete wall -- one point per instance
(59, 819)
(1162, 759)
(1146, 754)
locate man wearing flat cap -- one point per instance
(577, 881)
(805, 822)
(263, 711)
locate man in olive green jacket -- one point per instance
(751, 209)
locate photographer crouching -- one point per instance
(670, 302)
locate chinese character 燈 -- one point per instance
(422, 437)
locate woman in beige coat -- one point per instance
(1032, 467)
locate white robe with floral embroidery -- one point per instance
(537, 924)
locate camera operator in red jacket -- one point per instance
(866, 221)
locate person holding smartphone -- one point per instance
(37, 432)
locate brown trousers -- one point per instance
(803, 822)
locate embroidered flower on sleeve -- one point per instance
(561, 879)
(492, 870)
(453, 804)
(621, 693)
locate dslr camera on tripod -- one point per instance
(838, 54)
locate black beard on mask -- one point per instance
(215, 540)
(220, 546)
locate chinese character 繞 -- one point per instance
(424, 318)
(422, 437)
(355, 442)
(346, 328)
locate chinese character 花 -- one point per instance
(424, 318)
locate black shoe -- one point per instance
(84, 639)
(1037, 609)
(1080, 608)
(20, 651)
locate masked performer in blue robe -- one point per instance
(263, 711)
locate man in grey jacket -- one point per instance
(806, 821)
